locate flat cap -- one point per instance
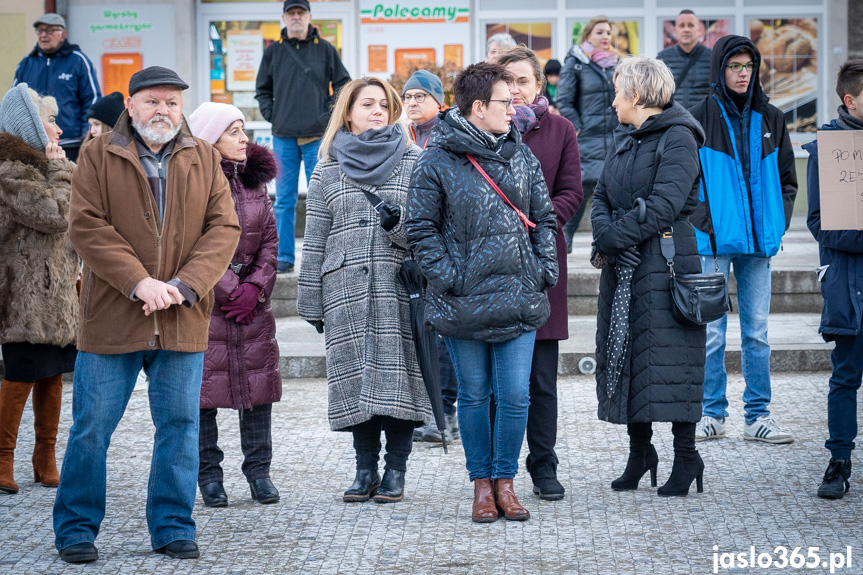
(154, 76)
(51, 19)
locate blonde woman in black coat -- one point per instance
(661, 372)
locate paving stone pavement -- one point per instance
(755, 494)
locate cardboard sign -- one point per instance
(840, 176)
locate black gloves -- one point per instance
(318, 324)
(629, 257)
(390, 215)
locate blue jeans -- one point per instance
(102, 387)
(752, 273)
(847, 360)
(504, 370)
(289, 154)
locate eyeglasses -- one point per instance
(48, 30)
(506, 103)
(737, 68)
(420, 98)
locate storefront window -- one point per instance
(624, 35)
(789, 67)
(534, 35)
(712, 30)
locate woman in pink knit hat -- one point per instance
(241, 365)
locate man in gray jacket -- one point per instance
(689, 60)
(293, 91)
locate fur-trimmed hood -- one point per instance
(13, 148)
(258, 169)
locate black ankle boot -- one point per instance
(263, 491)
(364, 486)
(642, 458)
(392, 487)
(214, 495)
(686, 467)
(835, 484)
(543, 473)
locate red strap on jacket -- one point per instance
(524, 219)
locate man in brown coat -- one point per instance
(153, 219)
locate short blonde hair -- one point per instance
(342, 110)
(585, 34)
(648, 78)
(43, 102)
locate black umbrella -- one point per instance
(424, 340)
(619, 333)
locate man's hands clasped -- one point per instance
(157, 295)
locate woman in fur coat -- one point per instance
(38, 270)
(241, 364)
(354, 247)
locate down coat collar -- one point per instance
(256, 170)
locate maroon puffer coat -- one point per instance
(241, 365)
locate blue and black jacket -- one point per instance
(748, 164)
(68, 76)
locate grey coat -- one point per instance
(348, 279)
(584, 96)
(696, 86)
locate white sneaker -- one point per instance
(767, 430)
(710, 428)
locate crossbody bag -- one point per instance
(529, 225)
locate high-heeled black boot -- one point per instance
(687, 463)
(642, 458)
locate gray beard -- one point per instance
(154, 137)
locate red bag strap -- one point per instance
(524, 219)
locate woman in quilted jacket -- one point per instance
(489, 257)
(241, 364)
(354, 247)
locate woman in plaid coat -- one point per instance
(353, 249)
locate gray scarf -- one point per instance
(371, 157)
(846, 121)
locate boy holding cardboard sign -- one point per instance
(841, 277)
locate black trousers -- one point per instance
(684, 436)
(367, 442)
(256, 442)
(542, 413)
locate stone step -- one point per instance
(795, 344)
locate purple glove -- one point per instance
(244, 299)
(247, 318)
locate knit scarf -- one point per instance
(846, 121)
(604, 58)
(371, 157)
(487, 139)
(527, 117)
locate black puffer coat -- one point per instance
(584, 96)
(662, 381)
(487, 276)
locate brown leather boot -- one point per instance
(47, 397)
(507, 502)
(13, 398)
(484, 507)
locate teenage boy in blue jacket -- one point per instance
(841, 277)
(751, 184)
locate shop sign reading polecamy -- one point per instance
(399, 36)
(382, 13)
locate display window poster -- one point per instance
(122, 39)
(534, 35)
(396, 37)
(789, 67)
(624, 35)
(236, 49)
(711, 31)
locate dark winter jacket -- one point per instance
(750, 214)
(555, 145)
(696, 85)
(241, 364)
(584, 95)
(662, 381)
(38, 266)
(67, 75)
(296, 102)
(486, 275)
(842, 252)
